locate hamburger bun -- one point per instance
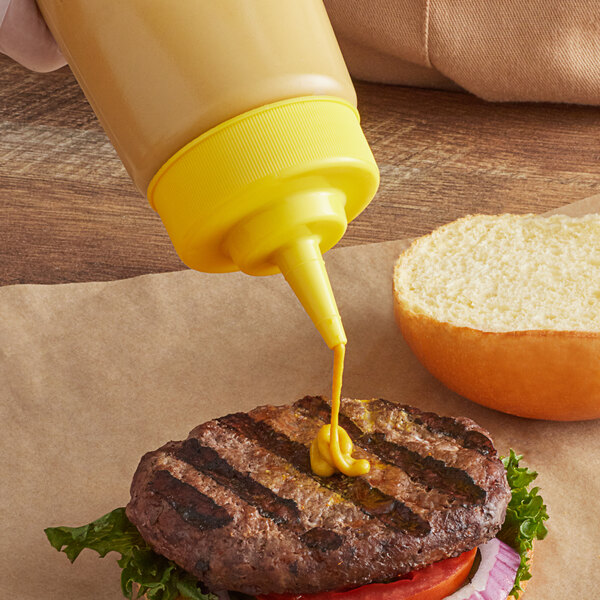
(519, 595)
(505, 310)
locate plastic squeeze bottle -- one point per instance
(238, 120)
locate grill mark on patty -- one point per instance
(194, 507)
(371, 501)
(467, 438)
(427, 471)
(282, 511)
(207, 461)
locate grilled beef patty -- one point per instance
(237, 504)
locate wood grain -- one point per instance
(70, 213)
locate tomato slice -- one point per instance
(435, 582)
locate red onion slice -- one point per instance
(495, 576)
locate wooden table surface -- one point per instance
(69, 212)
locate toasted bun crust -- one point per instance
(461, 325)
(524, 583)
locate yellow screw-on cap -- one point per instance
(268, 191)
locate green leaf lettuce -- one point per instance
(525, 516)
(157, 577)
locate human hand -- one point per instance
(25, 37)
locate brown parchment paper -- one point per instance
(93, 375)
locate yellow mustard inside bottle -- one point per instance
(331, 450)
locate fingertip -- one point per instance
(47, 62)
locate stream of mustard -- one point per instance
(331, 450)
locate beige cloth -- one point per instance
(500, 50)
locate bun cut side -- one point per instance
(505, 310)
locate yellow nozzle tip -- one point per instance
(302, 265)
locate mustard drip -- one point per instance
(332, 449)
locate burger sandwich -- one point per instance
(236, 510)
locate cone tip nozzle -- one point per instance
(303, 267)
